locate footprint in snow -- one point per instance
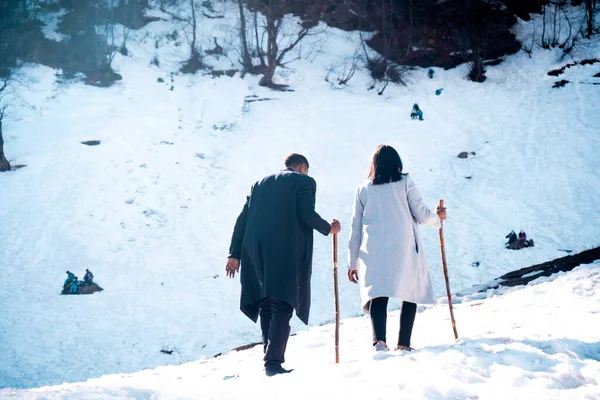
(382, 355)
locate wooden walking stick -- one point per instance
(441, 205)
(337, 299)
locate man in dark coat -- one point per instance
(273, 240)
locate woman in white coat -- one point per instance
(386, 253)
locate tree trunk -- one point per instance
(94, 55)
(25, 9)
(272, 51)
(4, 164)
(194, 26)
(589, 5)
(544, 28)
(477, 69)
(131, 13)
(554, 37)
(267, 79)
(135, 14)
(246, 59)
(259, 49)
(410, 29)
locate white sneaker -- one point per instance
(381, 346)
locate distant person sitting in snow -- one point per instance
(70, 277)
(522, 237)
(430, 73)
(88, 277)
(517, 243)
(523, 242)
(416, 112)
(74, 286)
(512, 238)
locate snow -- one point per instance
(151, 209)
(519, 343)
(51, 21)
(529, 275)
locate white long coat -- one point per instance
(385, 245)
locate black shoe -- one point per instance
(276, 370)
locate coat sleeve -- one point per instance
(235, 248)
(355, 232)
(306, 199)
(418, 209)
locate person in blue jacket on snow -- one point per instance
(74, 286)
(88, 277)
(416, 113)
(70, 277)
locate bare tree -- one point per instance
(131, 12)
(380, 65)
(4, 164)
(258, 42)
(194, 50)
(123, 48)
(274, 53)
(11, 15)
(94, 40)
(194, 63)
(339, 75)
(554, 14)
(8, 70)
(543, 43)
(279, 44)
(591, 8)
(107, 49)
(190, 29)
(410, 28)
(246, 58)
(565, 30)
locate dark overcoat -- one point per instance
(273, 238)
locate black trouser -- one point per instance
(378, 312)
(275, 318)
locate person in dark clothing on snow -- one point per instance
(88, 277)
(273, 242)
(522, 239)
(512, 238)
(517, 243)
(416, 113)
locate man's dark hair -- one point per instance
(386, 166)
(296, 160)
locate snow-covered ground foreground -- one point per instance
(534, 342)
(151, 209)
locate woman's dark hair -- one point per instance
(386, 166)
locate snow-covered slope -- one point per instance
(150, 211)
(524, 344)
